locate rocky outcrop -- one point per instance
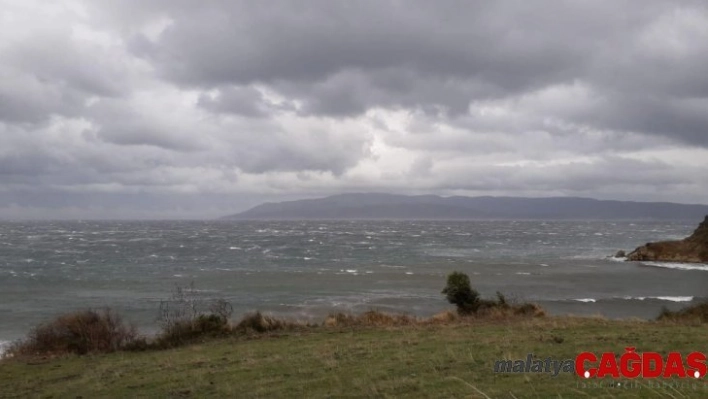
(693, 249)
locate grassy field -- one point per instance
(435, 361)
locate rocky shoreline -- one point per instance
(692, 249)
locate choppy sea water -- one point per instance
(307, 269)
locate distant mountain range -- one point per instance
(433, 207)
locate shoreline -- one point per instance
(589, 307)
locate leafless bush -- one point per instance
(181, 308)
(221, 308)
(82, 332)
(260, 323)
(693, 313)
(185, 317)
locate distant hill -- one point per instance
(433, 207)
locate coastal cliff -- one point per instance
(693, 249)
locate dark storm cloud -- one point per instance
(341, 58)
(125, 125)
(685, 118)
(265, 98)
(246, 41)
(352, 92)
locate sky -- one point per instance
(198, 109)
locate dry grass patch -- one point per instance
(691, 314)
(372, 318)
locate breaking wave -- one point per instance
(678, 266)
(639, 298)
(662, 298)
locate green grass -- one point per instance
(433, 361)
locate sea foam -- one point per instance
(640, 298)
(678, 266)
(661, 298)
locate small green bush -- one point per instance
(459, 292)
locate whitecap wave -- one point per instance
(617, 258)
(661, 298)
(678, 266)
(675, 298)
(639, 298)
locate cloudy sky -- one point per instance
(176, 108)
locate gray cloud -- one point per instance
(341, 60)
(245, 101)
(239, 98)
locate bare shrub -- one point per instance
(260, 323)
(182, 318)
(180, 309)
(221, 308)
(81, 332)
(693, 313)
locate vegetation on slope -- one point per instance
(201, 354)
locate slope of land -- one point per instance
(692, 249)
(389, 206)
(436, 361)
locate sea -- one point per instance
(305, 270)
